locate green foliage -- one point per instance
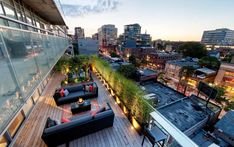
(132, 59)
(113, 54)
(229, 106)
(228, 58)
(127, 91)
(128, 71)
(192, 49)
(220, 96)
(210, 62)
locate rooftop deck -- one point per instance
(120, 135)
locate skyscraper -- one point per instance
(107, 35)
(218, 37)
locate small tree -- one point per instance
(229, 106)
(129, 71)
(210, 62)
(220, 95)
(193, 49)
(184, 74)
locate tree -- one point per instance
(228, 58)
(192, 49)
(220, 95)
(210, 62)
(132, 59)
(129, 71)
(184, 74)
(229, 106)
(160, 46)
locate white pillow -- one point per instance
(66, 92)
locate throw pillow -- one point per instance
(90, 88)
(62, 92)
(64, 120)
(58, 122)
(50, 123)
(86, 88)
(93, 114)
(66, 92)
(102, 109)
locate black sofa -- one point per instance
(75, 92)
(78, 127)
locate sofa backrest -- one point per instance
(79, 87)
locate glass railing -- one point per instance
(25, 59)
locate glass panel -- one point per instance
(25, 59)
(10, 99)
(9, 11)
(28, 106)
(1, 10)
(13, 24)
(22, 56)
(15, 124)
(3, 141)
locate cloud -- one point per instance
(99, 6)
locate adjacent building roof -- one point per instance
(226, 123)
(206, 71)
(47, 9)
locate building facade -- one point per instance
(132, 31)
(225, 77)
(107, 35)
(79, 33)
(224, 37)
(95, 36)
(32, 40)
(88, 46)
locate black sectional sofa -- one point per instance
(76, 92)
(78, 127)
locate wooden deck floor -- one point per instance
(120, 135)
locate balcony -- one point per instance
(26, 58)
(121, 134)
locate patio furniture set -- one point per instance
(56, 133)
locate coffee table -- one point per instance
(77, 108)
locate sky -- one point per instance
(177, 20)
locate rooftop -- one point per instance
(226, 123)
(146, 72)
(185, 62)
(164, 95)
(121, 134)
(184, 112)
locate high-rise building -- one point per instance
(107, 35)
(133, 37)
(32, 40)
(222, 36)
(132, 31)
(79, 33)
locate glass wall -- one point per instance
(25, 59)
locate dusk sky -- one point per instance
(182, 20)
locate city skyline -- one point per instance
(156, 17)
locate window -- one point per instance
(16, 124)
(3, 141)
(9, 12)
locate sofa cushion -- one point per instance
(64, 120)
(75, 94)
(50, 123)
(66, 92)
(74, 88)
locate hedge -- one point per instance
(126, 90)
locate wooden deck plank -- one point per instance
(120, 134)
